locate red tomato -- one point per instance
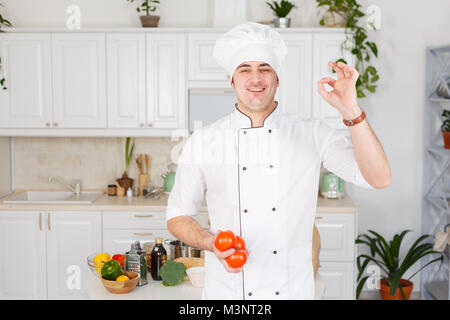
(225, 240)
(240, 243)
(237, 259)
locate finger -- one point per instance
(346, 69)
(225, 254)
(321, 90)
(338, 69)
(330, 81)
(354, 74)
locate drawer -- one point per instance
(339, 280)
(134, 220)
(121, 240)
(143, 220)
(337, 236)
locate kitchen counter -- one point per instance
(113, 203)
(154, 290)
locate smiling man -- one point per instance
(259, 170)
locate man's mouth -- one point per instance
(256, 90)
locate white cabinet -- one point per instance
(71, 237)
(166, 81)
(337, 254)
(44, 253)
(26, 66)
(339, 280)
(23, 255)
(202, 64)
(327, 47)
(294, 89)
(79, 80)
(126, 80)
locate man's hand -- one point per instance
(225, 254)
(343, 97)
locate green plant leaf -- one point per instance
(361, 284)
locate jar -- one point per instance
(112, 190)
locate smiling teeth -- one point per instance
(257, 90)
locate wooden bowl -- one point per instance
(120, 287)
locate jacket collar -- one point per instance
(240, 120)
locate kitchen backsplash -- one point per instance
(95, 161)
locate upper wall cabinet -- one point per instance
(294, 90)
(79, 80)
(136, 82)
(126, 80)
(166, 81)
(26, 66)
(202, 64)
(327, 47)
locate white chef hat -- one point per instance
(250, 41)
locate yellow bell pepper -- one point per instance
(99, 260)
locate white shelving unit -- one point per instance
(436, 173)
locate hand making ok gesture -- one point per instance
(343, 97)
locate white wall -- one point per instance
(395, 112)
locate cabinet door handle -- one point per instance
(143, 234)
(143, 215)
(40, 221)
(48, 222)
(319, 217)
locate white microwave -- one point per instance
(208, 105)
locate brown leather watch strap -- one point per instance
(355, 121)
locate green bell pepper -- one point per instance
(111, 270)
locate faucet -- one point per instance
(75, 189)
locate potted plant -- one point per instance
(336, 13)
(446, 128)
(387, 256)
(356, 41)
(281, 10)
(126, 182)
(3, 23)
(146, 7)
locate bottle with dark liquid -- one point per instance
(158, 257)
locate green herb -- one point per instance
(128, 155)
(172, 273)
(387, 256)
(282, 9)
(146, 6)
(356, 42)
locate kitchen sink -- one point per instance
(61, 197)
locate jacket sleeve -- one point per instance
(337, 154)
(189, 187)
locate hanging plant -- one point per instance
(356, 42)
(3, 23)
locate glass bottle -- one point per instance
(158, 257)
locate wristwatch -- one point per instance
(355, 121)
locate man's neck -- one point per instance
(257, 117)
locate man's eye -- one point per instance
(265, 69)
(244, 70)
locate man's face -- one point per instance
(255, 84)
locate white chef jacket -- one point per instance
(262, 184)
